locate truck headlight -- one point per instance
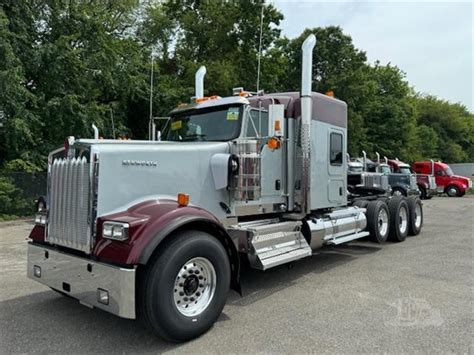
(115, 230)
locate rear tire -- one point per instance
(179, 311)
(399, 219)
(415, 210)
(378, 221)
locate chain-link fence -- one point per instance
(19, 192)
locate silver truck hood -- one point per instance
(131, 172)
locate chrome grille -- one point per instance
(68, 223)
(384, 182)
(375, 180)
(413, 184)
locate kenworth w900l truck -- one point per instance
(158, 229)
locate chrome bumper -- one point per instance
(83, 278)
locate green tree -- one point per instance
(22, 126)
(339, 67)
(453, 126)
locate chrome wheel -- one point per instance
(403, 219)
(382, 222)
(452, 192)
(194, 286)
(417, 216)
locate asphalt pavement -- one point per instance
(415, 296)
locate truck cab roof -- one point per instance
(325, 108)
(212, 101)
(397, 163)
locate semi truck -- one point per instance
(426, 182)
(158, 230)
(359, 176)
(402, 181)
(446, 181)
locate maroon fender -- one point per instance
(422, 184)
(153, 221)
(37, 233)
(150, 222)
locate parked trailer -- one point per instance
(157, 229)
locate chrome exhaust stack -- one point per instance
(96, 131)
(364, 154)
(199, 82)
(306, 109)
(378, 157)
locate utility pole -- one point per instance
(152, 126)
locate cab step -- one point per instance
(274, 243)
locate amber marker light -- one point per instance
(277, 126)
(183, 199)
(273, 143)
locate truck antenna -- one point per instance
(112, 119)
(260, 48)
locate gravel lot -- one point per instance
(410, 297)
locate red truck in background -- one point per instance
(425, 181)
(453, 185)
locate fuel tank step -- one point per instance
(274, 243)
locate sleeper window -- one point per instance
(335, 149)
(257, 124)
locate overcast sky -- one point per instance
(432, 42)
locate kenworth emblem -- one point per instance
(139, 163)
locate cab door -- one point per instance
(442, 179)
(256, 127)
(336, 167)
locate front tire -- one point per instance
(453, 191)
(415, 209)
(423, 193)
(185, 286)
(399, 218)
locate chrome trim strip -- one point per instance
(84, 277)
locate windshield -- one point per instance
(355, 169)
(384, 169)
(213, 124)
(405, 170)
(448, 171)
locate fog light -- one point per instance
(102, 296)
(37, 271)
